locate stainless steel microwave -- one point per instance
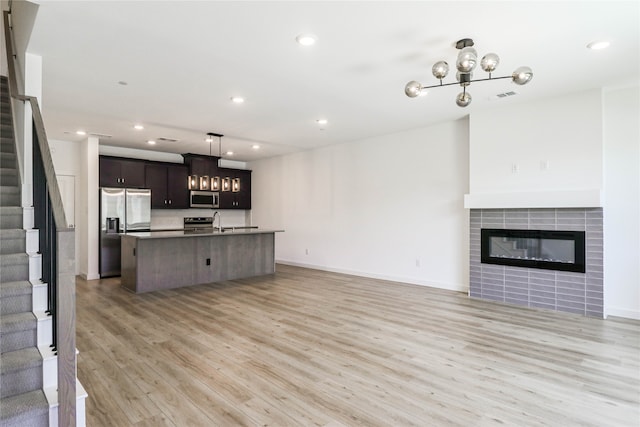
(204, 199)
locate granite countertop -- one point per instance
(200, 233)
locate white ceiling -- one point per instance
(184, 60)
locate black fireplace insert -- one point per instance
(550, 250)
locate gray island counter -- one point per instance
(171, 259)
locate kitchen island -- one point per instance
(171, 259)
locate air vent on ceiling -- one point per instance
(506, 94)
(166, 139)
(100, 135)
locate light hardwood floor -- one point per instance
(305, 347)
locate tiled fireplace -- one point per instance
(543, 286)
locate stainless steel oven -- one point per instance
(204, 199)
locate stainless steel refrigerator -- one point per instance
(122, 210)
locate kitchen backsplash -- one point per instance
(173, 219)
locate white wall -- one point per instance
(66, 161)
(388, 207)
(87, 223)
(554, 144)
(4, 5)
(622, 202)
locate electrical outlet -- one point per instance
(417, 262)
(208, 261)
(515, 168)
(306, 251)
(544, 165)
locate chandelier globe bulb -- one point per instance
(413, 89)
(522, 75)
(463, 99)
(490, 62)
(467, 59)
(440, 70)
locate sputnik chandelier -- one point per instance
(465, 64)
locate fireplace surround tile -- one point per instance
(573, 292)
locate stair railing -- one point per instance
(57, 245)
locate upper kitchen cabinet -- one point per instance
(235, 192)
(201, 165)
(121, 172)
(168, 184)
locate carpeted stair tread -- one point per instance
(11, 217)
(10, 210)
(21, 372)
(12, 240)
(6, 146)
(10, 195)
(12, 289)
(17, 322)
(14, 259)
(9, 176)
(20, 360)
(9, 189)
(5, 118)
(28, 409)
(8, 160)
(12, 233)
(15, 297)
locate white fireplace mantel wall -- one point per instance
(580, 150)
(537, 154)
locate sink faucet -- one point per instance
(219, 220)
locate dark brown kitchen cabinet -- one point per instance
(201, 165)
(168, 184)
(238, 193)
(121, 172)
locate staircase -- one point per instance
(23, 402)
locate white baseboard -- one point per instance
(89, 276)
(622, 312)
(457, 287)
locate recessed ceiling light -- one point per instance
(151, 142)
(81, 132)
(600, 44)
(138, 127)
(322, 121)
(237, 99)
(255, 146)
(306, 39)
(229, 153)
